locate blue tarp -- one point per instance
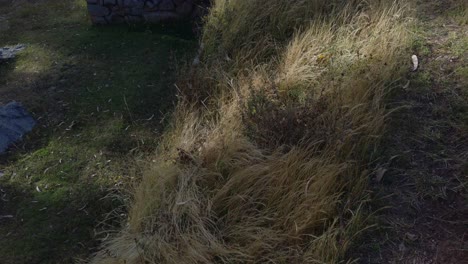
(15, 121)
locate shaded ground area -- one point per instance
(101, 97)
(422, 178)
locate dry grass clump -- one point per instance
(257, 29)
(271, 166)
(461, 13)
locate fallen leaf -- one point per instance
(411, 237)
(379, 174)
(406, 85)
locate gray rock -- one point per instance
(135, 11)
(134, 3)
(152, 3)
(117, 19)
(15, 121)
(184, 9)
(157, 17)
(166, 5)
(109, 2)
(10, 52)
(133, 19)
(97, 10)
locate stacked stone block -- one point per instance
(139, 11)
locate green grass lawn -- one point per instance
(101, 96)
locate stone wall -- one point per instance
(140, 11)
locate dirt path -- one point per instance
(427, 150)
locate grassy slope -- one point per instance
(268, 158)
(100, 95)
(224, 198)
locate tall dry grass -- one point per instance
(267, 157)
(461, 12)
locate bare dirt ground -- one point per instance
(424, 175)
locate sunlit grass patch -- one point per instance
(35, 60)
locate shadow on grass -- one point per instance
(101, 95)
(130, 69)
